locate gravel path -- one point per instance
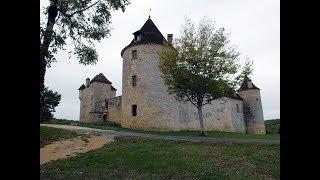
(113, 133)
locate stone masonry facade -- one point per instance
(145, 103)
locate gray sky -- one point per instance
(254, 27)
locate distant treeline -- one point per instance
(272, 126)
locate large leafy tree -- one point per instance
(82, 22)
(201, 66)
(51, 100)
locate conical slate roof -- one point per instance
(100, 78)
(150, 35)
(244, 85)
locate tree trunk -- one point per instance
(203, 133)
(44, 50)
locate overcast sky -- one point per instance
(254, 27)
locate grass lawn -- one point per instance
(136, 158)
(49, 135)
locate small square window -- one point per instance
(134, 54)
(134, 110)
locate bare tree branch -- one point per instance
(208, 101)
(191, 100)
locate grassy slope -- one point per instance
(140, 158)
(49, 135)
(175, 133)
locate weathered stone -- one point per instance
(157, 110)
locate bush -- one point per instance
(50, 101)
(62, 121)
(272, 126)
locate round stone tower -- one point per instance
(252, 107)
(145, 102)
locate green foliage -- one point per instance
(49, 135)
(51, 100)
(273, 126)
(135, 158)
(82, 22)
(202, 65)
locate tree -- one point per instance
(50, 101)
(201, 66)
(82, 22)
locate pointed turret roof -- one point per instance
(244, 85)
(100, 78)
(150, 35)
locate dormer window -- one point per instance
(137, 36)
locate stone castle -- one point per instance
(145, 103)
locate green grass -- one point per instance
(49, 135)
(180, 133)
(136, 158)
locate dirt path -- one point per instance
(165, 137)
(71, 147)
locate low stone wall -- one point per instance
(114, 109)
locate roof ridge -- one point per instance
(100, 78)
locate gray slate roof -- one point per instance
(150, 35)
(100, 78)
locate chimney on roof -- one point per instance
(249, 83)
(87, 82)
(169, 38)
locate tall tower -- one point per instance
(146, 103)
(252, 107)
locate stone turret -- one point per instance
(145, 101)
(93, 96)
(252, 107)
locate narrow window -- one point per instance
(134, 54)
(134, 110)
(237, 106)
(134, 80)
(106, 104)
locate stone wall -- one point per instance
(114, 109)
(157, 110)
(219, 115)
